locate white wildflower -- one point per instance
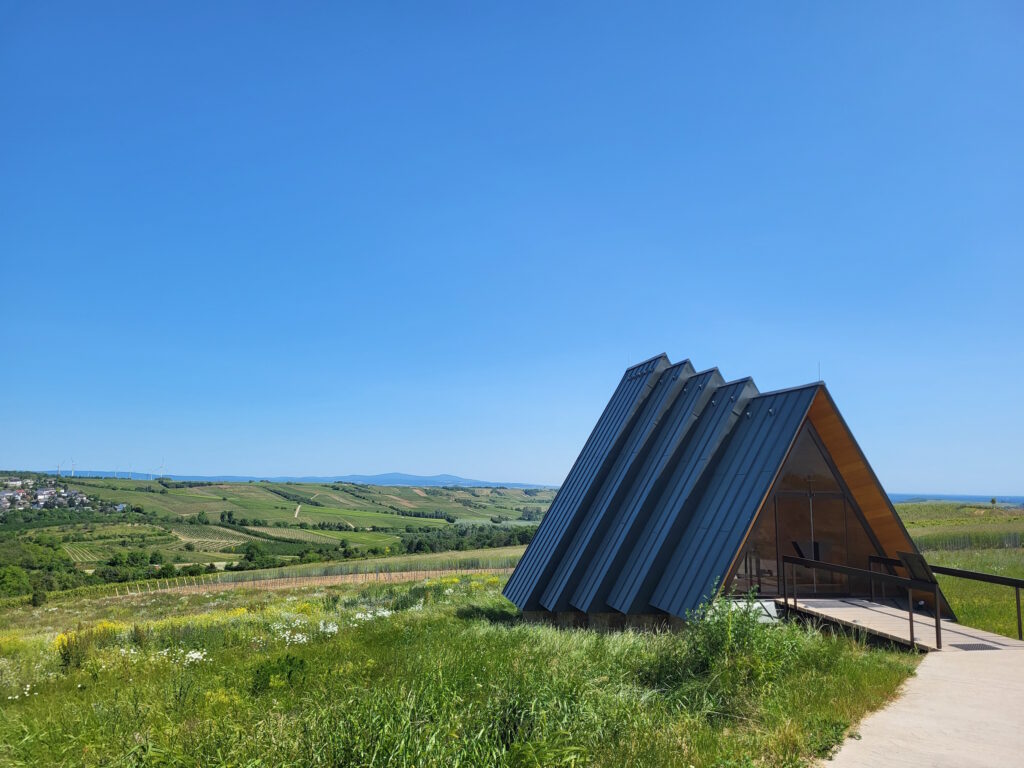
(379, 613)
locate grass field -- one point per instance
(440, 673)
(360, 506)
(974, 537)
(358, 518)
(986, 606)
(434, 674)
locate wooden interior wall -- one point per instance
(858, 476)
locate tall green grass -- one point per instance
(439, 673)
(986, 606)
(977, 538)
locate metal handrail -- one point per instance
(959, 573)
(885, 578)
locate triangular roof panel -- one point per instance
(656, 512)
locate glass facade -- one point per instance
(807, 515)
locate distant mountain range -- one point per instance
(388, 478)
(434, 481)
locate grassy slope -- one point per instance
(90, 544)
(949, 534)
(354, 507)
(448, 678)
(362, 506)
(986, 606)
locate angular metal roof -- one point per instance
(670, 511)
(743, 476)
(600, 451)
(659, 501)
(593, 519)
(608, 556)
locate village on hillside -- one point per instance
(26, 493)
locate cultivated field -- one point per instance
(354, 538)
(360, 506)
(132, 529)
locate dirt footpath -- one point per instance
(189, 585)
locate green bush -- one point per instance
(726, 660)
(287, 670)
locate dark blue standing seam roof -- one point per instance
(605, 563)
(743, 476)
(593, 519)
(670, 510)
(530, 576)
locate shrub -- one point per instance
(287, 670)
(724, 662)
(73, 647)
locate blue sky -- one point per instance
(259, 239)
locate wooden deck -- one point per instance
(891, 623)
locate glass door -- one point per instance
(828, 532)
(808, 516)
(795, 538)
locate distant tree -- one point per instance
(156, 557)
(254, 552)
(993, 501)
(190, 547)
(138, 558)
(38, 596)
(13, 580)
(117, 559)
(202, 518)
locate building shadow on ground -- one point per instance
(493, 614)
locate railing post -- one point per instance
(871, 580)
(793, 574)
(1020, 634)
(938, 618)
(910, 611)
(785, 592)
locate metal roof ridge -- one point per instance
(785, 390)
(651, 360)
